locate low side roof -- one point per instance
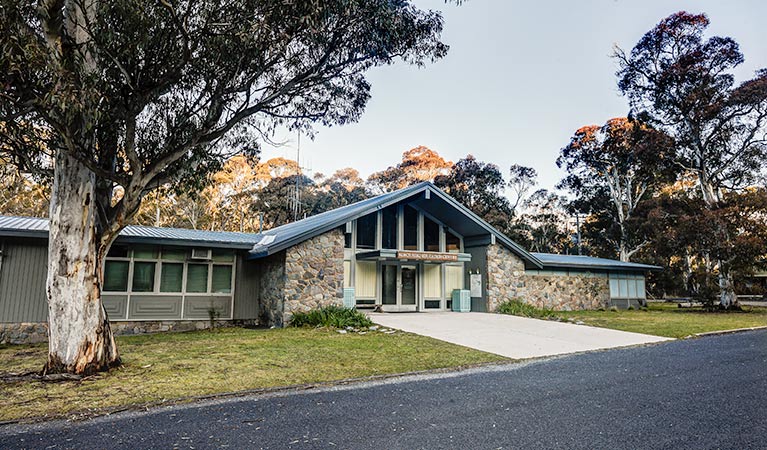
(288, 235)
(554, 261)
(136, 234)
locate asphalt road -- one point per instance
(697, 394)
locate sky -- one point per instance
(519, 79)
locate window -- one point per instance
(116, 276)
(432, 281)
(347, 240)
(347, 274)
(411, 229)
(223, 256)
(430, 235)
(118, 251)
(453, 279)
(221, 279)
(452, 242)
(628, 286)
(143, 277)
(366, 231)
(171, 277)
(197, 278)
(389, 227)
(145, 253)
(365, 279)
(174, 254)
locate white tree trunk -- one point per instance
(80, 338)
(727, 296)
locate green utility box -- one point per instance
(461, 300)
(349, 299)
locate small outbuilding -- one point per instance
(410, 250)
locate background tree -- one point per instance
(612, 169)
(21, 194)
(480, 187)
(418, 164)
(684, 85)
(139, 95)
(545, 218)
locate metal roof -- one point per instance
(36, 227)
(280, 238)
(552, 260)
(288, 235)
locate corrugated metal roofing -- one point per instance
(288, 235)
(285, 236)
(552, 260)
(36, 227)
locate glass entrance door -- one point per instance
(408, 291)
(399, 287)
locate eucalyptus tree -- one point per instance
(138, 94)
(612, 169)
(684, 85)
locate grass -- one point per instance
(164, 367)
(666, 319)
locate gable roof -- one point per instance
(554, 260)
(137, 234)
(288, 235)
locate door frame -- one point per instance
(398, 306)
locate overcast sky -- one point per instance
(520, 77)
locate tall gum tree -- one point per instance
(612, 169)
(683, 84)
(136, 94)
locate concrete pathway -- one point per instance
(511, 336)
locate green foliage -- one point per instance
(331, 316)
(517, 307)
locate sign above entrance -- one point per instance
(426, 256)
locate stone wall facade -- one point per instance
(505, 276)
(507, 279)
(314, 274)
(32, 333)
(23, 333)
(271, 298)
(567, 293)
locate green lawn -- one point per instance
(170, 366)
(666, 319)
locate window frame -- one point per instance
(157, 291)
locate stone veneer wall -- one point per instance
(272, 296)
(31, 333)
(505, 276)
(506, 280)
(314, 273)
(23, 333)
(567, 293)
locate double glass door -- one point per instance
(399, 287)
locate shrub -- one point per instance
(517, 307)
(331, 316)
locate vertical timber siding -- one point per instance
(246, 287)
(22, 281)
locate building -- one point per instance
(407, 250)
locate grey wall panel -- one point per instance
(22, 281)
(246, 286)
(478, 262)
(149, 307)
(198, 307)
(115, 306)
